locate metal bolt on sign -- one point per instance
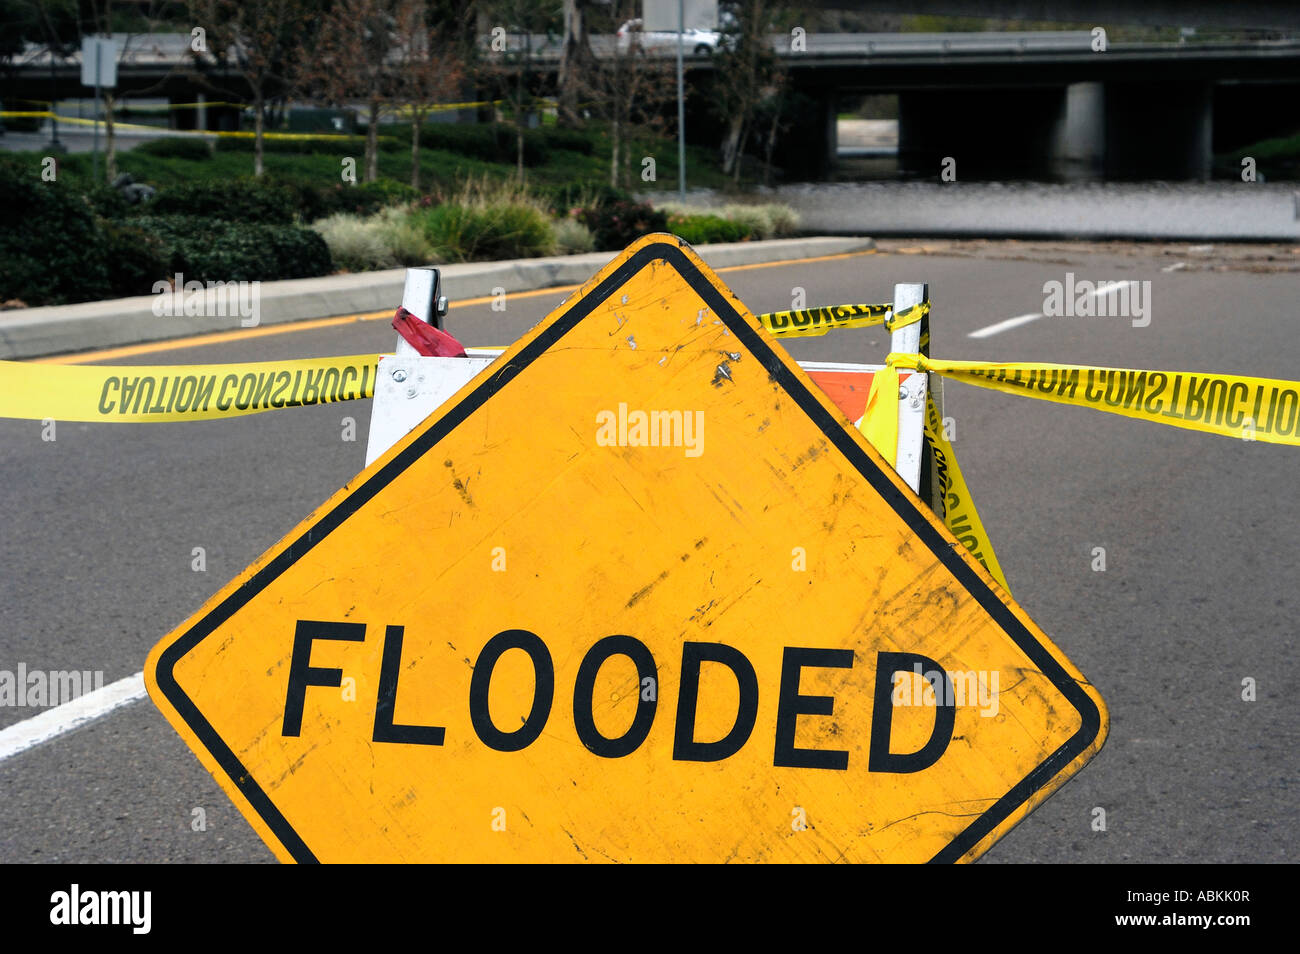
(764, 696)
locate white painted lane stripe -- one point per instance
(1007, 325)
(1016, 322)
(62, 719)
(94, 705)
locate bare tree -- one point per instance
(428, 70)
(509, 67)
(576, 62)
(151, 15)
(357, 59)
(264, 41)
(749, 73)
(632, 86)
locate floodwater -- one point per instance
(1217, 211)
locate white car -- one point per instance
(694, 42)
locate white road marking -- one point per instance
(1007, 325)
(1016, 322)
(62, 719)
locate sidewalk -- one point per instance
(35, 332)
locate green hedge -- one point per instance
(328, 146)
(270, 201)
(240, 200)
(177, 147)
(52, 249)
(491, 142)
(563, 198)
(210, 250)
(23, 123)
(618, 224)
(699, 229)
(136, 259)
(364, 198)
(571, 139)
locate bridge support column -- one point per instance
(1159, 130)
(1080, 149)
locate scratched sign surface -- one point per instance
(638, 592)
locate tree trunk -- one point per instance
(519, 143)
(372, 142)
(417, 120)
(110, 141)
(259, 124)
(778, 102)
(731, 144)
(740, 154)
(615, 142)
(575, 56)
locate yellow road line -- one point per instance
(215, 337)
(797, 261)
(244, 334)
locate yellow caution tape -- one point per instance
(1248, 408)
(141, 127)
(128, 393)
(811, 322)
(959, 513)
(129, 106)
(808, 322)
(879, 424)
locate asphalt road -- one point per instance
(98, 527)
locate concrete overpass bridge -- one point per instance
(1051, 105)
(1031, 104)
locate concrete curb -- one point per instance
(34, 332)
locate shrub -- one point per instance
(136, 260)
(571, 139)
(402, 237)
(316, 146)
(212, 250)
(390, 191)
(572, 237)
(564, 198)
(699, 229)
(785, 220)
(106, 202)
(363, 199)
(51, 245)
(491, 142)
(764, 221)
(29, 124)
(385, 240)
(759, 221)
(354, 245)
(177, 147)
(617, 224)
(241, 200)
(486, 222)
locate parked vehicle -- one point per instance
(694, 42)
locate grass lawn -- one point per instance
(1276, 159)
(439, 169)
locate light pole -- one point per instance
(54, 144)
(681, 103)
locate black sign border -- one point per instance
(665, 250)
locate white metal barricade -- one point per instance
(409, 387)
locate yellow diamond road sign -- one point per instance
(638, 592)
